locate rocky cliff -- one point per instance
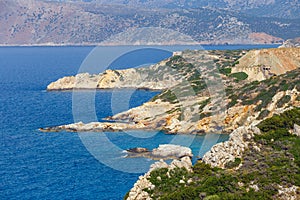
(155, 77)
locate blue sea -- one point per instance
(36, 165)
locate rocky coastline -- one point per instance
(254, 91)
(138, 192)
(225, 155)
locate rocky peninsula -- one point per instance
(218, 92)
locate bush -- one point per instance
(283, 86)
(239, 76)
(285, 99)
(285, 121)
(263, 114)
(212, 197)
(233, 164)
(225, 71)
(233, 101)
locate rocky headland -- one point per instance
(247, 88)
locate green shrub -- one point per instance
(233, 101)
(285, 99)
(263, 114)
(233, 164)
(212, 197)
(285, 121)
(239, 76)
(202, 169)
(225, 71)
(283, 86)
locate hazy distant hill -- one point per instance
(78, 22)
(267, 8)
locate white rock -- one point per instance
(170, 150)
(296, 130)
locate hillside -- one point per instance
(262, 64)
(267, 168)
(265, 8)
(46, 22)
(291, 43)
(208, 95)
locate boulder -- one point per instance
(296, 130)
(171, 151)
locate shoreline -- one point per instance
(133, 45)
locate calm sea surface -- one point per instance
(35, 165)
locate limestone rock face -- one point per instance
(155, 77)
(222, 153)
(164, 151)
(95, 127)
(262, 64)
(66, 83)
(296, 130)
(171, 151)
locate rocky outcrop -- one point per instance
(95, 127)
(157, 115)
(138, 191)
(171, 151)
(290, 193)
(164, 151)
(263, 64)
(291, 43)
(110, 79)
(223, 153)
(296, 130)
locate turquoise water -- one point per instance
(35, 165)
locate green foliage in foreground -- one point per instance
(277, 163)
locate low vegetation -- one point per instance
(239, 76)
(261, 173)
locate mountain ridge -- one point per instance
(43, 22)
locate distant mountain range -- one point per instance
(93, 21)
(264, 8)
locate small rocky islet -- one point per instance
(252, 95)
